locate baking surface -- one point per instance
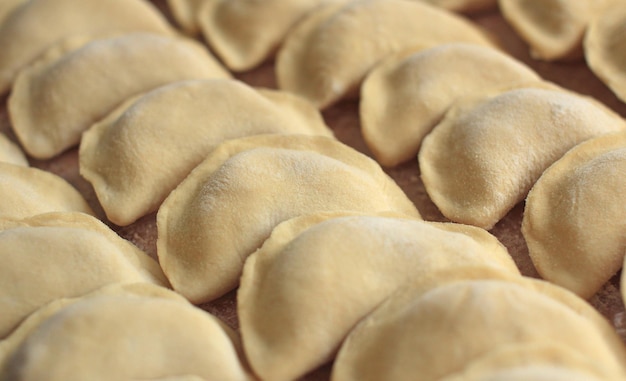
(343, 119)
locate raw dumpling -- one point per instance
(138, 154)
(37, 24)
(554, 29)
(28, 191)
(59, 255)
(10, 152)
(348, 265)
(127, 337)
(575, 218)
(185, 12)
(476, 317)
(245, 33)
(466, 6)
(487, 152)
(605, 48)
(224, 210)
(326, 56)
(403, 98)
(9, 344)
(54, 101)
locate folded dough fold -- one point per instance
(61, 255)
(140, 152)
(574, 220)
(251, 185)
(308, 285)
(404, 97)
(326, 56)
(487, 152)
(57, 98)
(38, 24)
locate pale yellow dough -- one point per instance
(326, 56)
(605, 48)
(8, 6)
(251, 185)
(538, 361)
(245, 33)
(554, 29)
(38, 24)
(127, 337)
(9, 344)
(10, 152)
(487, 152)
(28, 191)
(575, 221)
(185, 13)
(56, 99)
(139, 153)
(311, 282)
(404, 97)
(63, 255)
(475, 318)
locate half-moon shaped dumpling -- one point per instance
(10, 152)
(605, 48)
(138, 154)
(575, 219)
(465, 6)
(349, 265)
(326, 56)
(399, 340)
(535, 361)
(406, 96)
(37, 24)
(94, 79)
(245, 33)
(127, 337)
(228, 205)
(554, 29)
(59, 255)
(28, 191)
(9, 344)
(487, 152)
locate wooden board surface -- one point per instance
(343, 119)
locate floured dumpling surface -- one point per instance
(350, 265)
(54, 101)
(404, 97)
(11, 343)
(38, 24)
(475, 318)
(575, 220)
(251, 185)
(554, 29)
(605, 48)
(28, 191)
(59, 255)
(245, 33)
(326, 56)
(138, 154)
(10, 152)
(487, 152)
(119, 337)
